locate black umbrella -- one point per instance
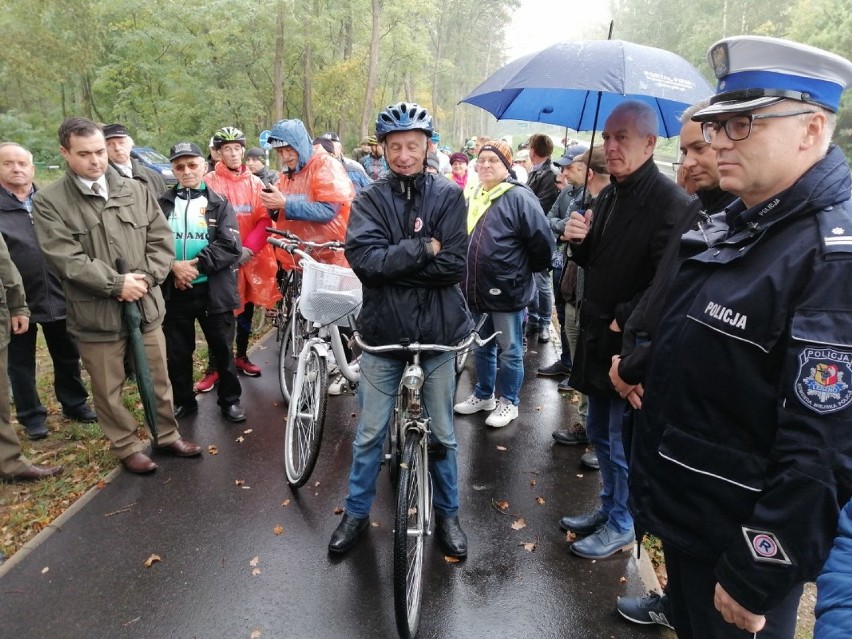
(144, 381)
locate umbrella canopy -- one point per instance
(144, 379)
(560, 84)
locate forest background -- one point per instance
(179, 70)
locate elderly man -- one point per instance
(15, 316)
(411, 273)
(746, 396)
(119, 145)
(84, 223)
(618, 245)
(374, 162)
(202, 284)
(45, 300)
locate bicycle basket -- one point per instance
(329, 293)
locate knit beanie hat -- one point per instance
(501, 149)
(433, 161)
(458, 157)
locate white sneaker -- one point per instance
(502, 415)
(473, 405)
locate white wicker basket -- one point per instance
(330, 293)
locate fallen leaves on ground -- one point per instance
(622, 580)
(451, 560)
(502, 504)
(212, 450)
(533, 482)
(570, 537)
(579, 475)
(375, 524)
(338, 510)
(529, 546)
(539, 501)
(501, 448)
(255, 572)
(286, 502)
(240, 439)
(152, 560)
(254, 560)
(239, 482)
(247, 431)
(518, 524)
(256, 633)
(279, 529)
(45, 569)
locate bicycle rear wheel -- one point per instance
(306, 419)
(409, 537)
(296, 331)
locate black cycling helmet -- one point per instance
(405, 116)
(228, 134)
(331, 135)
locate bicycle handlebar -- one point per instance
(416, 347)
(294, 239)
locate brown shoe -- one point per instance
(34, 473)
(181, 448)
(139, 464)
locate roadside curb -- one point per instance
(56, 525)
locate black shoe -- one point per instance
(83, 414)
(531, 329)
(590, 460)
(450, 536)
(184, 410)
(556, 369)
(647, 610)
(39, 431)
(571, 436)
(565, 386)
(347, 533)
(584, 524)
(234, 413)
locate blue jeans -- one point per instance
(505, 382)
(541, 307)
(380, 377)
(604, 427)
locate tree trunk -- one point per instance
(372, 70)
(278, 66)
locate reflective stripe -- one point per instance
(704, 472)
(710, 326)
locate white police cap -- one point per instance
(756, 71)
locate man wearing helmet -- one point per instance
(407, 242)
(234, 181)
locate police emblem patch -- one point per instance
(418, 224)
(721, 60)
(822, 383)
(765, 547)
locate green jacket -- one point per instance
(82, 235)
(12, 299)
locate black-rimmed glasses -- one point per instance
(739, 127)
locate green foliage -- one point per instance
(181, 70)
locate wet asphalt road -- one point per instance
(225, 573)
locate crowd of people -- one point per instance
(704, 323)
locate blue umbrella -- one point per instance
(561, 84)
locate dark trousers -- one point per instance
(67, 384)
(692, 584)
(559, 301)
(244, 321)
(183, 308)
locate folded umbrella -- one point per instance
(144, 380)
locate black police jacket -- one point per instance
(410, 293)
(747, 396)
(218, 260)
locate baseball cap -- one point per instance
(184, 149)
(115, 131)
(571, 155)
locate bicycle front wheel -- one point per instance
(409, 537)
(393, 444)
(306, 419)
(292, 341)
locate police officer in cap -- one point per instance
(747, 396)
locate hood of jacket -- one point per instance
(294, 133)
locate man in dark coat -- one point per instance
(619, 246)
(45, 300)
(119, 146)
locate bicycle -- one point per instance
(408, 441)
(320, 297)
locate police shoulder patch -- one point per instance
(822, 382)
(765, 547)
(835, 227)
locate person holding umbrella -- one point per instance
(84, 222)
